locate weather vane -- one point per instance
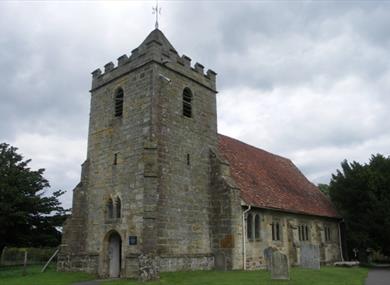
(157, 11)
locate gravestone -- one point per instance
(220, 261)
(268, 256)
(148, 268)
(279, 267)
(310, 256)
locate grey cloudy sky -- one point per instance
(306, 80)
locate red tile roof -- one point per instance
(270, 181)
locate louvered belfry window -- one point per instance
(187, 102)
(119, 103)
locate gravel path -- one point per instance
(378, 276)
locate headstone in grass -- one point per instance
(268, 256)
(220, 261)
(148, 268)
(310, 256)
(279, 266)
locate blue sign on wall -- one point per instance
(132, 240)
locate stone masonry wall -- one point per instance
(124, 137)
(185, 263)
(72, 255)
(183, 206)
(225, 216)
(290, 243)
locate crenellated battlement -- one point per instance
(155, 48)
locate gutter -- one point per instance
(340, 241)
(244, 236)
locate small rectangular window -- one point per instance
(249, 225)
(306, 232)
(119, 103)
(188, 159)
(276, 231)
(187, 109)
(257, 227)
(187, 102)
(115, 158)
(299, 232)
(273, 231)
(327, 233)
(303, 232)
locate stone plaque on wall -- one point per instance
(227, 242)
(132, 240)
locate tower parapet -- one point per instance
(156, 48)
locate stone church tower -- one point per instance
(145, 183)
(161, 186)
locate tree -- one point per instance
(28, 217)
(324, 188)
(361, 193)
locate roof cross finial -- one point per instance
(157, 11)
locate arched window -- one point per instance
(119, 102)
(187, 98)
(118, 207)
(110, 209)
(249, 226)
(257, 227)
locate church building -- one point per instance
(160, 182)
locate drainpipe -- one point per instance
(340, 242)
(244, 235)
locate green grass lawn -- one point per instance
(325, 276)
(13, 276)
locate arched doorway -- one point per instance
(114, 254)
